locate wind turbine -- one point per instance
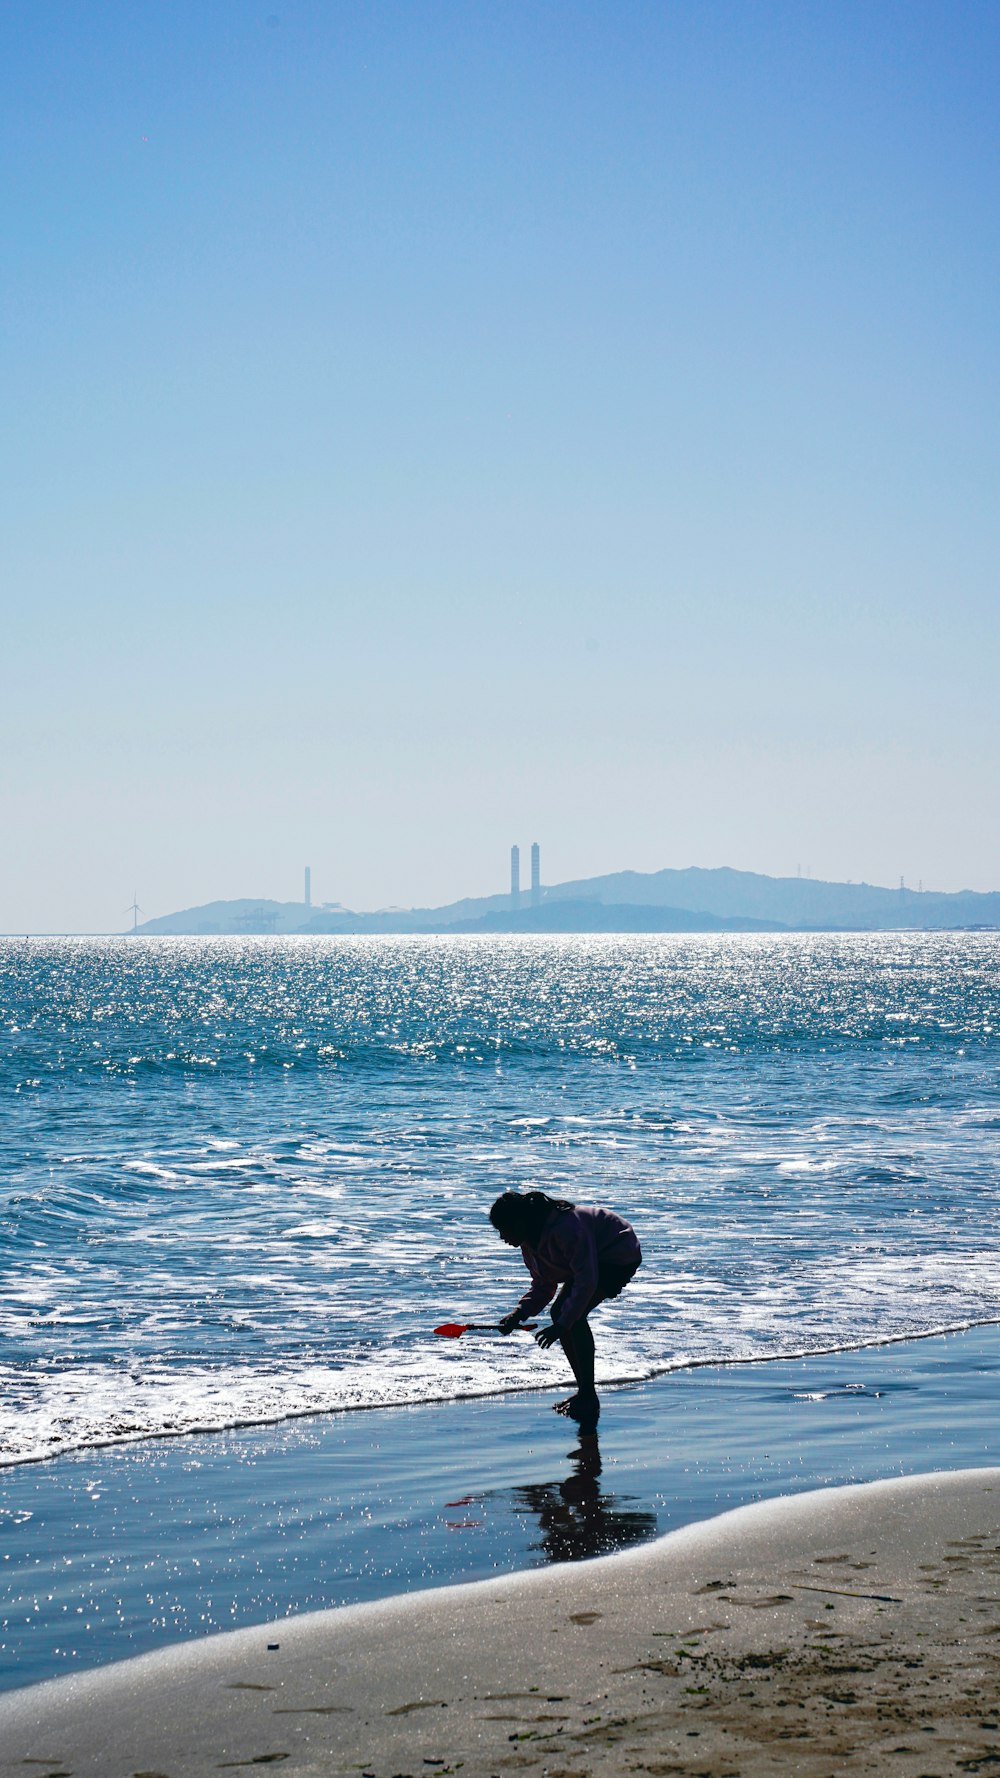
(135, 910)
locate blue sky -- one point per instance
(429, 426)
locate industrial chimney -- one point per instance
(309, 893)
(536, 875)
(515, 877)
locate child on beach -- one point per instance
(588, 1251)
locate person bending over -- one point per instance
(584, 1252)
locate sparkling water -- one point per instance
(243, 1179)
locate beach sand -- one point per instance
(845, 1630)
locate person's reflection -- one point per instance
(576, 1519)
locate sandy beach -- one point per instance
(854, 1629)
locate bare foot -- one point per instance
(568, 1406)
(586, 1411)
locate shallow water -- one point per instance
(109, 1553)
(242, 1179)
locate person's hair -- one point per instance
(522, 1215)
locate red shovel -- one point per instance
(453, 1330)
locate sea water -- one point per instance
(241, 1179)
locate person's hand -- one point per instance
(547, 1336)
(509, 1322)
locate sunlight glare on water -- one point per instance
(243, 1178)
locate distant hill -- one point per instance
(262, 916)
(254, 916)
(628, 901)
(558, 915)
(797, 902)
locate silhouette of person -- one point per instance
(584, 1252)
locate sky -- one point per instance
(428, 426)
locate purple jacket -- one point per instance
(573, 1245)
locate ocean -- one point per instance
(241, 1180)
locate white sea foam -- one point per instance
(55, 1410)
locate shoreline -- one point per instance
(607, 1383)
(783, 1636)
(135, 1547)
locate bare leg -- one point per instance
(578, 1344)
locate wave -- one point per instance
(95, 1407)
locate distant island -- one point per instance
(690, 900)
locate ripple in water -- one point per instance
(243, 1179)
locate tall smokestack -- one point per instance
(536, 875)
(515, 876)
(309, 888)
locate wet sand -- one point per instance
(849, 1630)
